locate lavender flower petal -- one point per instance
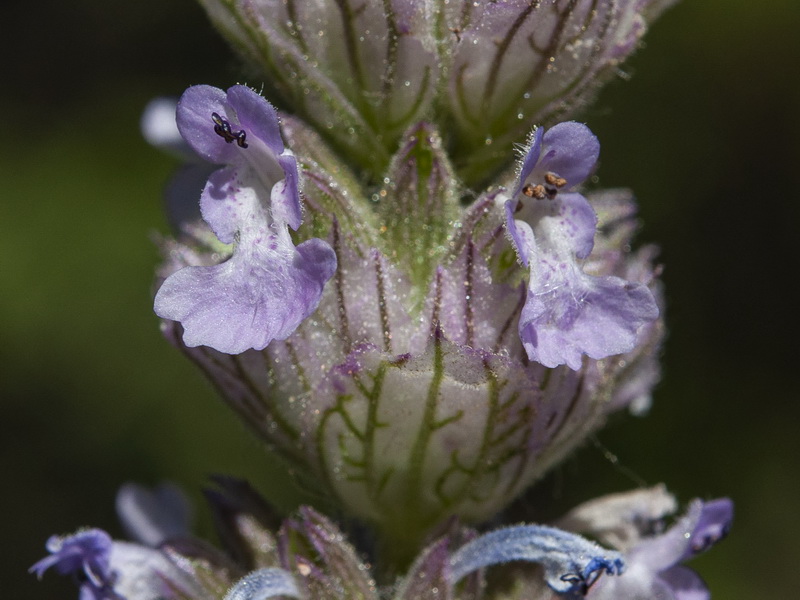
(108, 570)
(712, 526)
(531, 159)
(268, 286)
(567, 313)
(685, 584)
(264, 160)
(572, 314)
(196, 127)
(668, 549)
(249, 300)
(571, 563)
(569, 149)
(654, 562)
(703, 525)
(86, 551)
(152, 516)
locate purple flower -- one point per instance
(567, 313)
(655, 569)
(86, 554)
(653, 562)
(267, 286)
(113, 570)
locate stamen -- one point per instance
(704, 542)
(553, 179)
(223, 129)
(535, 191)
(552, 183)
(579, 585)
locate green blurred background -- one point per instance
(706, 132)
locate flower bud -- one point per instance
(359, 72)
(363, 72)
(519, 62)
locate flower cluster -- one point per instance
(363, 72)
(423, 342)
(307, 557)
(417, 345)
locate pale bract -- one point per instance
(362, 72)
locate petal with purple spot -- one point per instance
(253, 298)
(575, 314)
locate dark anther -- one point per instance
(593, 577)
(705, 542)
(223, 129)
(577, 582)
(549, 190)
(80, 577)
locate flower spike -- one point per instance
(268, 286)
(571, 563)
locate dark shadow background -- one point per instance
(706, 132)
